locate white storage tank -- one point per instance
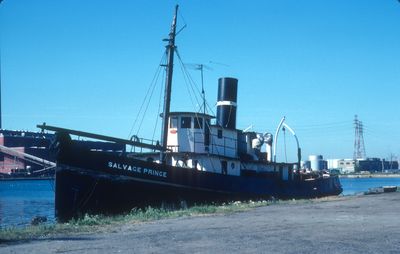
(316, 162)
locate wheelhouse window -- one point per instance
(173, 122)
(198, 123)
(186, 122)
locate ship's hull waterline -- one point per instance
(99, 182)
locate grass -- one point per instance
(101, 223)
(96, 223)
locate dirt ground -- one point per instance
(359, 224)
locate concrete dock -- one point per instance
(357, 224)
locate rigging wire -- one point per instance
(189, 81)
(201, 68)
(184, 22)
(147, 105)
(192, 88)
(188, 78)
(146, 99)
(159, 109)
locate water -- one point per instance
(21, 200)
(353, 186)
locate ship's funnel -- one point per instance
(226, 105)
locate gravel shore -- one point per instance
(357, 224)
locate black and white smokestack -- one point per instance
(226, 104)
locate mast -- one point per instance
(202, 89)
(168, 83)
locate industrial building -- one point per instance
(343, 166)
(372, 165)
(22, 151)
(377, 165)
(33, 143)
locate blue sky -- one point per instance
(87, 65)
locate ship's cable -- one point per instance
(150, 89)
(159, 110)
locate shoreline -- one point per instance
(370, 176)
(355, 224)
(26, 178)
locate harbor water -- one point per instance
(22, 200)
(353, 186)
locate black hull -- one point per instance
(99, 182)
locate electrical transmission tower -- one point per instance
(359, 147)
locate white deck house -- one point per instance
(195, 143)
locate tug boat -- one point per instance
(199, 159)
